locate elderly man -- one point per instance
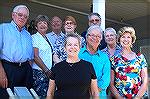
(15, 51)
(56, 26)
(95, 19)
(100, 60)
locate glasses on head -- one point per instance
(67, 23)
(21, 15)
(96, 36)
(94, 20)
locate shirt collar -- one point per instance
(61, 33)
(117, 48)
(84, 49)
(15, 25)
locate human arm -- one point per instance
(114, 91)
(104, 79)
(51, 89)
(3, 77)
(144, 85)
(40, 63)
(94, 89)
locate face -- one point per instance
(94, 20)
(72, 47)
(69, 27)
(94, 38)
(42, 27)
(126, 40)
(20, 17)
(56, 23)
(110, 38)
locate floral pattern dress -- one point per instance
(127, 73)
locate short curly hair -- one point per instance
(126, 30)
(70, 18)
(42, 18)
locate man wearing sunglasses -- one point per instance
(94, 19)
(15, 52)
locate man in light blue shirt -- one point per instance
(100, 60)
(15, 51)
(56, 26)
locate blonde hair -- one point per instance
(126, 30)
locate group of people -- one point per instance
(64, 65)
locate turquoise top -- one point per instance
(101, 66)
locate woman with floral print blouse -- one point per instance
(129, 77)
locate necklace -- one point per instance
(70, 64)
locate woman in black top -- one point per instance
(73, 78)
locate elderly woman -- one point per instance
(111, 40)
(99, 59)
(42, 56)
(129, 77)
(73, 77)
(70, 25)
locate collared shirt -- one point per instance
(15, 45)
(101, 66)
(45, 50)
(59, 47)
(53, 37)
(117, 51)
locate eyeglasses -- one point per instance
(21, 15)
(96, 36)
(96, 20)
(67, 23)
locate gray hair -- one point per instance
(16, 8)
(112, 30)
(94, 27)
(95, 14)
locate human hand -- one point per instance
(3, 79)
(56, 58)
(99, 89)
(48, 73)
(119, 97)
(137, 97)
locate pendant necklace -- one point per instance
(70, 64)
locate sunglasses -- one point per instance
(96, 20)
(67, 23)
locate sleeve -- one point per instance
(52, 77)
(105, 79)
(93, 74)
(35, 41)
(112, 63)
(82, 42)
(143, 61)
(1, 37)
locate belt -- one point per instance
(15, 63)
